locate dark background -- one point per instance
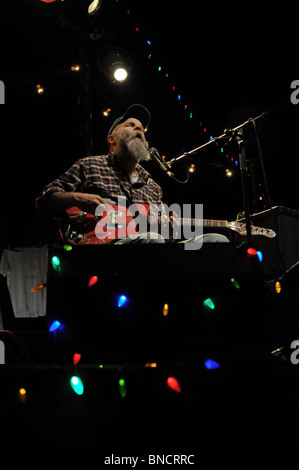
(228, 63)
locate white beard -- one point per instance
(134, 147)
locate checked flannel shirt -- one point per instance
(103, 175)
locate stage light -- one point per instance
(122, 300)
(151, 364)
(75, 68)
(173, 384)
(77, 385)
(55, 326)
(115, 65)
(209, 303)
(94, 7)
(211, 364)
(191, 168)
(120, 74)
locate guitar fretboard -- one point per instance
(204, 222)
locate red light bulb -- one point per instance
(173, 384)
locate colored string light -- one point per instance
(55, 262)
(278, 287)
(122, 300)
(38, 287)
(122, 388)
(235, 283)
(55, 326)
(76, 358)
(67, 247)
(39, 89)
(211, 364)
(77, 385)
(173, 383)
(92, 281)
(22, 394)
(209, 303)
(253, 252)
(165, 310)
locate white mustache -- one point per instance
(139, 135)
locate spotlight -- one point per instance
(120, 74)
(94, 7)
(115, 66)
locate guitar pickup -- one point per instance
(112, 226)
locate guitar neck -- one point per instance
(204, 222)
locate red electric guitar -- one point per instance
(81, 228)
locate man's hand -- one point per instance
(88, 202)
(58, 202)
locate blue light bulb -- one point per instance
(54, 326)
(122, 300)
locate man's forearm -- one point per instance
(58, 202)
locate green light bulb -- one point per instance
(77, 385)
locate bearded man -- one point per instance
(94, 180)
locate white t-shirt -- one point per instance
(25, 268)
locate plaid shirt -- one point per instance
(103, 175)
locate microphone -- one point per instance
(155, 155)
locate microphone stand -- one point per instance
(237, 133)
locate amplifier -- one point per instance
(282, 252)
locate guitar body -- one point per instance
(81, 228)
(116, 221)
